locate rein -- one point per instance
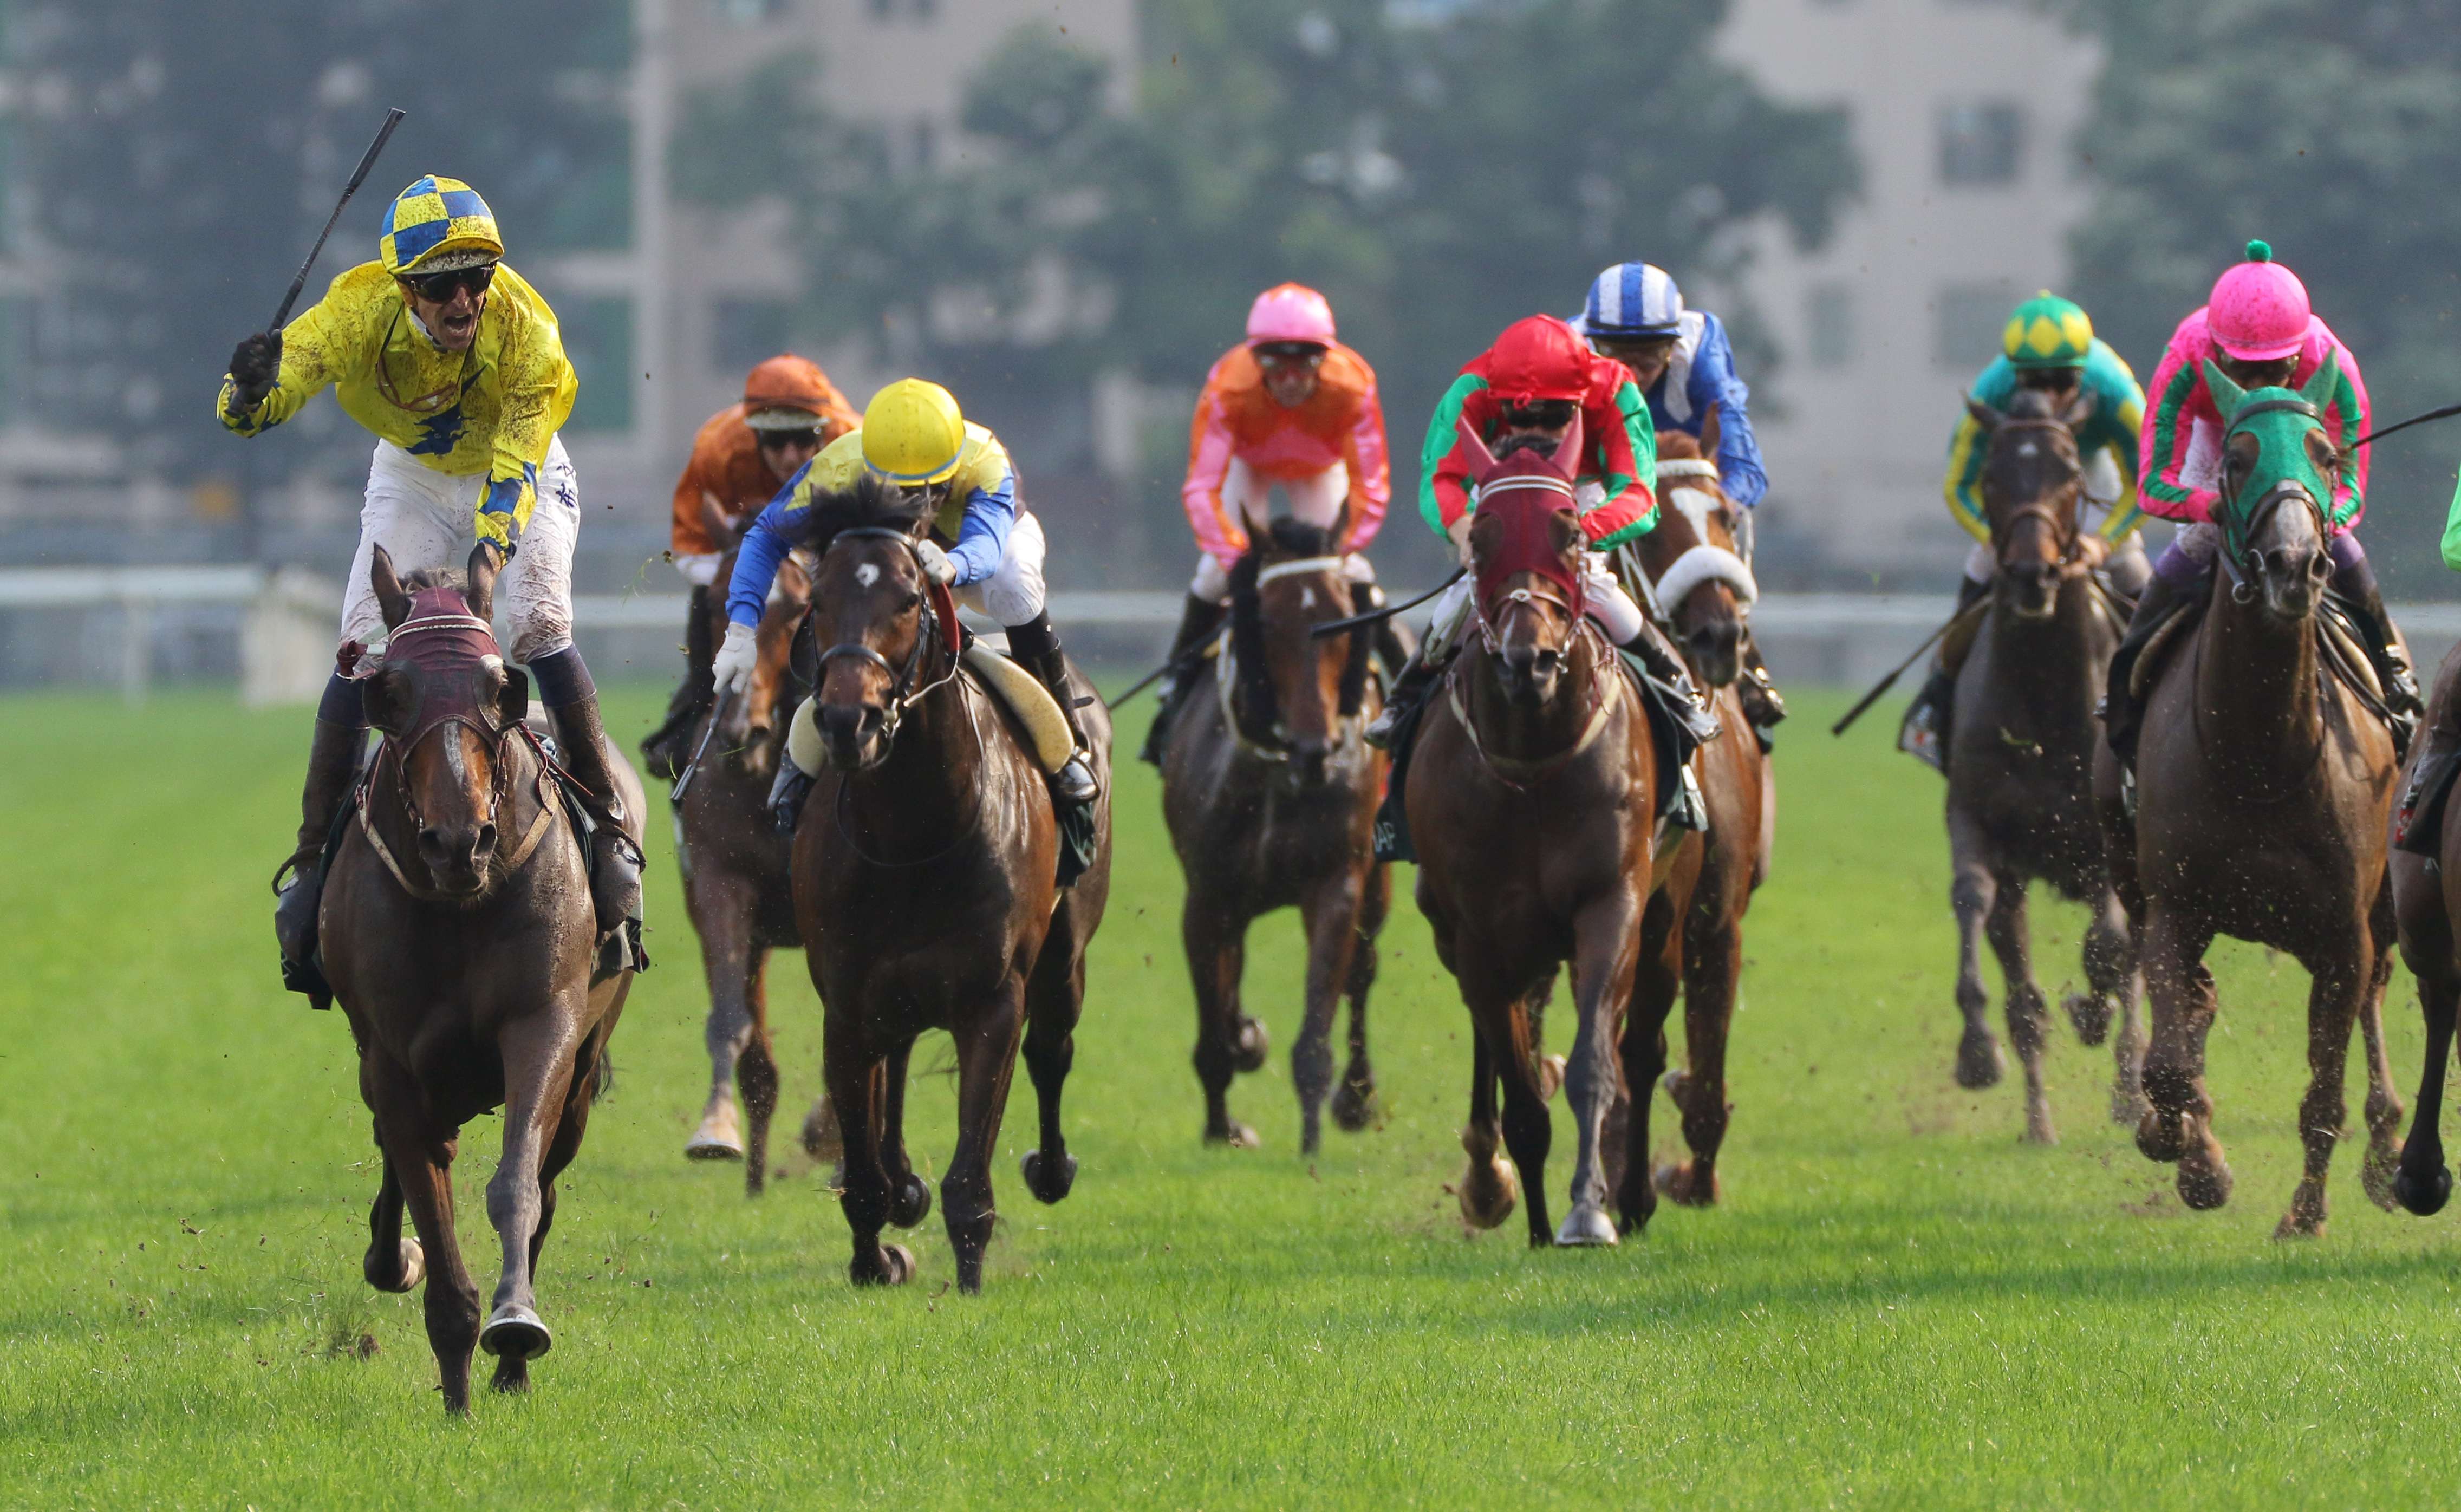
(1604, 700)
(903, 692)
(1226, 673)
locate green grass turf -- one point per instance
(1897, 1304)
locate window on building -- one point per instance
(598, 337)
(1971, 316)
(1829, 323)
(1980, 143)
(744, 331)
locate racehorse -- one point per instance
(734, 866)
(2263, 789)
(459, 938)
(1270, 798)
(926, 886)
(2021, 761)
(1691, 572)
(1532, 797)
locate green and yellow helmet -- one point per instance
(2047, 332)
(437, 225)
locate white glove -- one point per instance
(1459, 531)
(731, 667)
(936, 564)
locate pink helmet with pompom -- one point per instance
(1289, 313)
(2258, 310)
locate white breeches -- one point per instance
(1608, 603)
(425, 519)
(1316, 500)
(699, 567)
(1013, 594)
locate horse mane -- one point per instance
(871, 503)
(2032, 404)
(453, 578)
(1294, 537)
(1678, 446)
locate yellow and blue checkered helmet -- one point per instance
(434, 219)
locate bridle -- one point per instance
(2063, 524)
(1275, 746)
(903, 694)
(2238, 555)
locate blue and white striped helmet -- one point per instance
(1633, 299)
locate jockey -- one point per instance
(2259, 331)
(741, 456)
(453, 361)
(2048, 346)
(983, 545)
(1532, 386)
(1289, 406)
(1683, 365)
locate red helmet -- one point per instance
(1539, 358)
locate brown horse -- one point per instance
(2426, 901)
(926, 888)
(459, 938)
(1532, 797)
(1270, 798)
(2263, 790)
(736, 886)
(2020, 762)
(1703, 587)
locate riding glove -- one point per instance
(255, 366)
(1459, 531)
(936, 564)
(731, 667)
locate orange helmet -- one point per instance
(786, 393)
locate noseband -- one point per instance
(902, 692)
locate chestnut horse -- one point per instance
(2020, 762)
(459, 938)
(1530, 797)
(926, 886)
(736, 888)
(2263, 790)
(1271, 796)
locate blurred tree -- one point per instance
(2334, 133)
(172, 162)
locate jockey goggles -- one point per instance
(1288, 353)
(775, 440)
(439, 289)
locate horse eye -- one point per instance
(913, 600)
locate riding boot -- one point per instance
(791, 788)
(1035, 646)
(2120, 710)
(333, 765)
(1660, 661)
(1198, 619)
(1758, 693)
(1923, 734)
(1410, 687)
(1685, 724)
(2365, 602)
(616, 858)
(662, 750)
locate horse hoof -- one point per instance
(1585, 1228)
(2423, 1196)
(2296, 1224)
(1488, 1192)
(512, 1378)
(819, 1134)
(2090, 1014)
(1979, 1061)
(1251, 1046)
(2378, 1169)
(1236, 1135)
(910, 1201)
(1049, 1181)
(720, 1135)
(2204, 1179)
(1550, 1076)
(706, 1148)
(2127, 1105)
(2039, 1129)
(413, 1269)
(896, 1268)
(1679, 1183)
(2160, 1136)
(514, 1332)
(1354, 1105)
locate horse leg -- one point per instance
(986, 1057)
(1713, 964)
(2422, 1184)
(2334, 994)
(513, 1371)
(728, 961)
(1055, 998)
(2112, 976)
(393, 1263)
(421, 1160)
(857, 1084)
(1489, 1185)
(1606, 939)
(1330, 910)
(1972, 893)
(2177, 1124)
(1217, 949)
(1527, 1131)
(538, 1055)
(756, 1075)
(2029, 1012)
(1654, 981)
(2383, 1109)
(909, 1196)
(1354, 1101)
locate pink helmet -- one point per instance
(1289, 313)
(2258, 310)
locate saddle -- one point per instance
(2341, 657)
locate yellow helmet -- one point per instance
(912, 433)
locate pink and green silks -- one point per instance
(2181, 442)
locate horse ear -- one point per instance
(2318, 388)
(513, 704)
(1984, 415)
(2227, 395)
(712, 518)
(2080, 408)
(1477, 445)
(483, 565)
(390, 600)
(1568, 451)
(376, 700)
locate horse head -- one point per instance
(2032, 482)
(2275, 451)
(1704, 584)
(1301, 688)
(871, 604)
(1525, 543)
(445, 703)
(748, 722)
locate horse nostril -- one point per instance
(486, 838)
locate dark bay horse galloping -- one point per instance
(459, 937)
(2263, 790)
(1532, 797)
(2020, 751)
(1271, 796)
(926, 886)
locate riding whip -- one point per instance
(683, 778)
(384, 133)
(2444, 413)
(1337, 627)
(1142, 684)
(1890, 680)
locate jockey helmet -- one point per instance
(786, 393)
(2258, 310)
(1633, 301)
(2047, 332)
(436, 226)
(1289, 313)
(912, 433)
(1539, 358)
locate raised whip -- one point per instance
(384, 133)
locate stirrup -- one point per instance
(1074, 782)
